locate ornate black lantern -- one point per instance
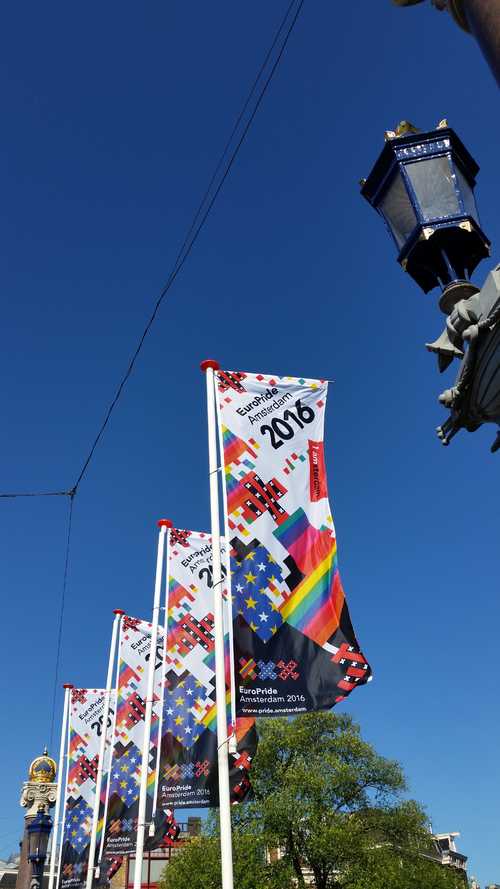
(423, 187)
(38, 841)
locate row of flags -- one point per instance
(289, 642)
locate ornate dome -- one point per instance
(43, 769)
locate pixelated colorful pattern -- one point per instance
(289, 609)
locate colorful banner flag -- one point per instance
(294, 645)
(188, 774)
(111, 866)
(85, 731)
(126, 761)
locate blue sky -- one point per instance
(113, 115)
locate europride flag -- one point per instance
(295, 649)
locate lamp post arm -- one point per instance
(483, 19)
(475, 397)
(480, 17)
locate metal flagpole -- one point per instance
(66, 773)
(91, 867)
(64, 731)
(220, 680)
(160, 726)
(163, 524)
(229, 610)
(110, 758)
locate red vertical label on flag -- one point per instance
(317, 471)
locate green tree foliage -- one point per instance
(334, 809)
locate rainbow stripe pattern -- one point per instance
(315, 605)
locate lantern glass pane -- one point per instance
(433, 183)
(467, 194)
(397, 210)
(43, 844)
(33, 843)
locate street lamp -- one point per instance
(422, 185)
(38, 841)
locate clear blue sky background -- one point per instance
(112, 117)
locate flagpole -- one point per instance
(91, 866)
(163, 524)
(66, 775)
(165, 648)
(232, 740)
(112, 737)
(64, 730)
(208, 367)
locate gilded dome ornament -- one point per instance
(43, 769)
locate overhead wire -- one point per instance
(191, 235)
(202, 212)
(234, 130)
(195, 228)
(37, 494)
(61, 619)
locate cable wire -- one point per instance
(201, 215)
(38, 494)
(234, 130)
(61, 618)
(195, 229)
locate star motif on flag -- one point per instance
(257, 592)
(77, 824)
(126, 774)
(182, 713)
